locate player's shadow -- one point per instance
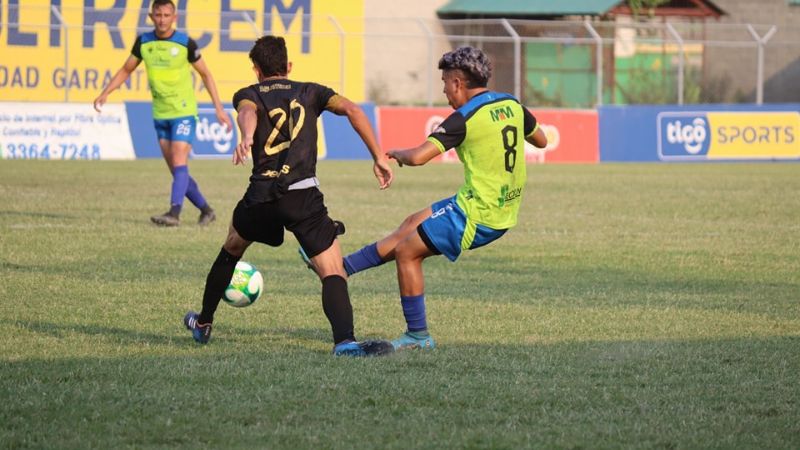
(232, 335)
(121, 334)
(40, 215)
(300, 334)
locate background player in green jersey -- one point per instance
(487, 131)
(168, 55)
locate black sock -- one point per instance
(175, 210)
(337, 307)
(217, 280)
(206, 209)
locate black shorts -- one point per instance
(302, 212)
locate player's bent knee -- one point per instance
(235, 244)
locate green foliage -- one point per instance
(634, 306)
(648, 6)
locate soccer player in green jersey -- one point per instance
(168, 55)
(487, 131)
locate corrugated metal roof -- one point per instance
(527, 7)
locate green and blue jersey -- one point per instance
(488, 134)
(168, 63)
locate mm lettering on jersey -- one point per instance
(710, 135)
(501, 113)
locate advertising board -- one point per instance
(571, 134)
(63, 131)
(700, 133)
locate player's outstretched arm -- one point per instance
(416, 156)
(208, 81)
(341, 106)
(247, 121)
(122, 74)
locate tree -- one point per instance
(637, 6)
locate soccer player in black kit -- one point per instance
(278, 123)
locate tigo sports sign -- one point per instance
(700, 135)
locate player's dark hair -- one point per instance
(269, 54)
(162, 3)
(472, 62)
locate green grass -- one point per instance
(634, 306)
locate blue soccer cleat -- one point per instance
(363, 348)
(414, 341)
(200, 332)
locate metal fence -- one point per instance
(574, 63)
(585, 63)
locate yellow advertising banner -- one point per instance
(754, 135)
(67, 50)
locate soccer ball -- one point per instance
(245, 286)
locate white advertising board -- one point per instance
(64, 131)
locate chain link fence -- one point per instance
(572, 64)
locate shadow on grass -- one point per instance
(726, 393)
(123, 335)
(232, 335)
(40, 215)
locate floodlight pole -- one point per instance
(429, 64)
(341, 53)
(252, 23)
(517, 57)
(681, 60)
(599, 53)
(63, 25)
(761, 42)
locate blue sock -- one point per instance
(363, 259)
(414, 312)
(180, 182)
(194, 195)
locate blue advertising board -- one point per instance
(341, 141)
(211, 140)
(699, 132)
(338, 140)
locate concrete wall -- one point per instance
(782, 55)
(400, 60)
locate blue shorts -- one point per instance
(448, 231)
(177, 129)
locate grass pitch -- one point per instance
(634, 306)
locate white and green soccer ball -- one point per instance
(245, 287)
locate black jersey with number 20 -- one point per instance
(285, 142)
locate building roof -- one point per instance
(551, 8)
(526, 8)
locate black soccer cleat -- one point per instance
(206, 218)
(166, 220)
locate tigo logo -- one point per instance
(683, 135)
(692, 136)
(211, 137)
(729, 135)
